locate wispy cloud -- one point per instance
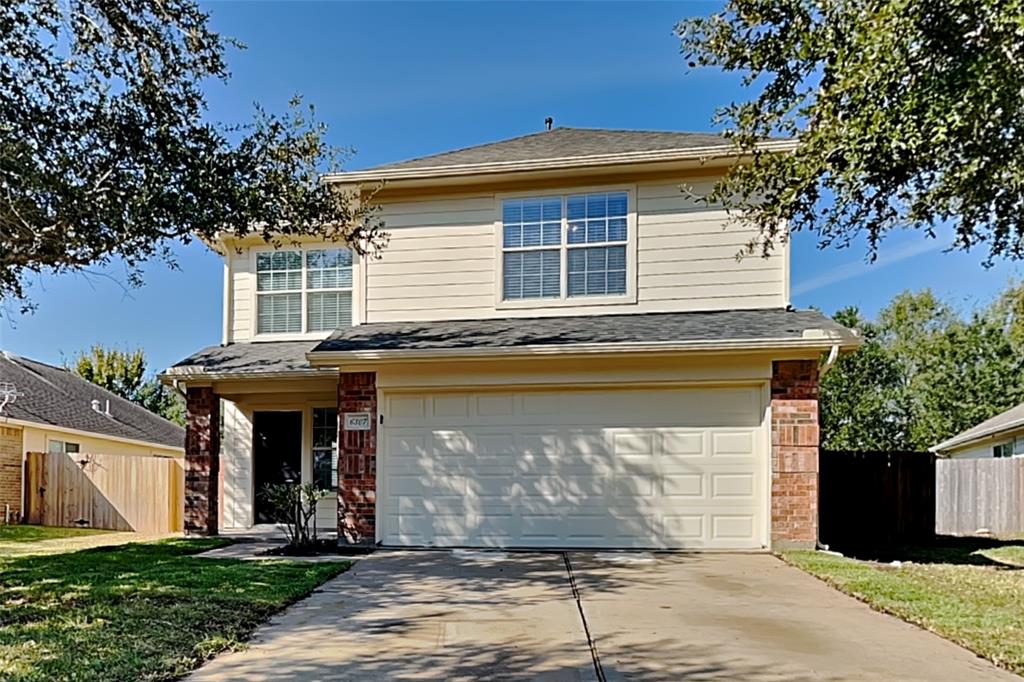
(860, 268)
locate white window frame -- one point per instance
(354, 289)
(1007, 446)
(63, 445)
(564, 300)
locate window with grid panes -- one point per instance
(589, 231)
(303, 290)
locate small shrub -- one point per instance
(294, 507)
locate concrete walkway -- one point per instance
(656, 618)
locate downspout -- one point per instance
(833, 355)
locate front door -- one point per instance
(277, 454)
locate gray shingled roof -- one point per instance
(247, 358)
(55, 396)
(774, 323)
(561, 143)
(240, 359)
(1012, 419)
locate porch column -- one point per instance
(794, 453)
(357, 457)
(202, 461)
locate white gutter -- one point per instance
(334, 358)
(692, 154)
(173, 377)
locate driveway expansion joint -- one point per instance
(598, 670)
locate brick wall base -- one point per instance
(357, 460)
(794, 453)
(11, 472)
(202, 461)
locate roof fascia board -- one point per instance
(821, 344)
(621, 158)
(976, 438)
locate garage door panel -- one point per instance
(732, 526)
(732, 486)
(733, 443)
(628, 468)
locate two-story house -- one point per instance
(557, 348)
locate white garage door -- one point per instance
(674, 468)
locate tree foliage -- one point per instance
(908, 115)
(105, 151)
(124, 373)
(925, 373)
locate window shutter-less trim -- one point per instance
(300, 291)
(596, 234)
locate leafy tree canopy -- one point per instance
(105, 152)
(124, 373)
(924, 373)
(908, 114)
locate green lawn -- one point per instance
(20, 533)
(138, 611)
(968, 591)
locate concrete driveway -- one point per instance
(663, 617)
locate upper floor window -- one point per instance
(564, 247)
(303, 290)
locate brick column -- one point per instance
(202, 461)
(357, 460)
(794, 453)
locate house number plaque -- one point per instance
(357, 421)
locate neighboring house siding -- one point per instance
(10, 471)
(37, 440)
(443, 260)
(984, 450)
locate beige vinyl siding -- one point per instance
(442, 261)
(686, 256)
(241, 295)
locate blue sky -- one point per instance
(401, 80)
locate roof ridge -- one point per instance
(541, 133)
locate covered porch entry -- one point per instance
(275, 431)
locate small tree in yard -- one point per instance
(294, 507)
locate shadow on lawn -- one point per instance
(946, 549)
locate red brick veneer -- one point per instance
(202, 461)
(794, 453)
(357, 460)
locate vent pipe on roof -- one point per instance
(104, 410)
(548, 122)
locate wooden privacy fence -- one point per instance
(876, 499)
(979, 495)
(117, 492)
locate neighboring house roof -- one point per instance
(1010, 420)
(54, 396)
(713, 329)
(568, 146)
